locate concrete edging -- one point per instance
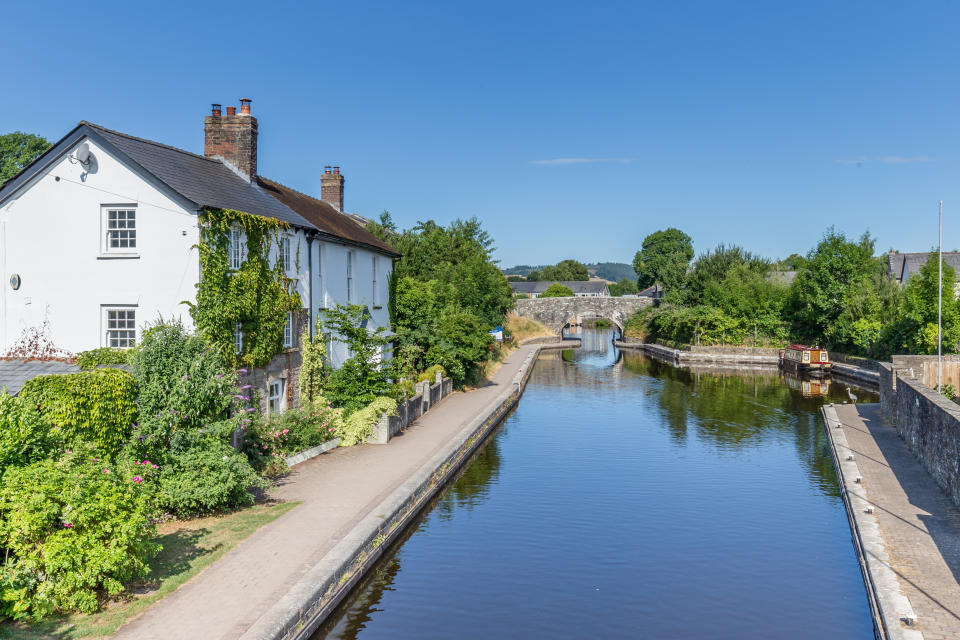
(307, 604)
(888, 604)
(313, 452)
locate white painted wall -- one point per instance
(52, 237)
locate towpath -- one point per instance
(919, 525)
(338, 489)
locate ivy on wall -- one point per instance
(258, 295)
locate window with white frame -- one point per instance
(235, 247)
(276, 396)
(285, 254)
(376, 267)
(120, 327)
(349, 276)
(237, 338)
(120, 229)
(288, 331)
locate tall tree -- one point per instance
(664, 259)
(17, 150)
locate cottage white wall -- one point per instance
(51, 236)
(330, 286)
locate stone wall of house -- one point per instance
(930, 425)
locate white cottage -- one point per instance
(97, 237)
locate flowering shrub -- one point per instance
(95, 406)
(207, 478)
(73, 531)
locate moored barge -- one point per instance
(801, 359)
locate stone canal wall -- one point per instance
(929, 424)
(704, 355)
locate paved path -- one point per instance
(919, 524)
(337, 489)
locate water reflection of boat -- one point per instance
(808, 387)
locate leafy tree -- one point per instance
(313, 369)
(664, 259)
(385, 229)
(565, 270)
(17, 150)
(363, 377)
(711, 268)
(557, 290)
(624, 287)
(836, 271)
(918, 325)
(793, 262)
(514, 278)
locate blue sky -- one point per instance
(570, 129)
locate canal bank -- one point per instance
(905, 530)
(354, 501)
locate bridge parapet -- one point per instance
(555, 313)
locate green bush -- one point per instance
(557, 290)
(24, 436)
(296, 430)
(104, 355)
(209, 478)
(358, 426)
(74, 531)
(184, 385)
(430, 375)
(95, 406)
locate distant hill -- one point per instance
(615, 271)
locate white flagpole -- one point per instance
(940, 304)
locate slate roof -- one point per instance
(14, 373)
(324, 216)
(577, 286)
(911, 263)
(201, 180)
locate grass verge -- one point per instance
(189, 546)
(524, 328)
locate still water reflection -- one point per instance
(626, 498)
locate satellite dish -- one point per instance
(83, 153)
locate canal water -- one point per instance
(626, 498)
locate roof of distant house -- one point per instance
(901, 266)
(14, 373)
(577, 286)
(782, 277)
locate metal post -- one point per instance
(940, 303)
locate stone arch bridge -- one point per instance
(555, 313)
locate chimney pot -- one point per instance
(215, 110)
(231, 111)
(331, 187)
(336, 171)
(245, 105)
(326, 169)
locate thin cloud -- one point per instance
(889, 160)
(555, 161)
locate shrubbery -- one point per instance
(358, 426)
(73, 529)
(205, 479)
(94, 406)
(102, 356)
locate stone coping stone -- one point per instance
(313, 452)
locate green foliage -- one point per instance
(358, 426)
(363, 376)
(460, 344)
(96, 406)
(74, 531)
(385, 229)
(564, 270)
(17, 150)
(615, 271)
(299, 429)
(624, 287)
(314, 370)
(430, 375)
(102, 356)
(516, 279)
(918, 322)
(712, 268)
(208, 478)
(24, 435)
(557, 290)
(184, 384)
(664, 259)
(949, 391)
(258, 295)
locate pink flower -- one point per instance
(264, 446)
(286, 431)
(137, 479)
(146, 462)
(107, 471)
(155, 467)
(96, 459)
(68, 525)
(135, 462)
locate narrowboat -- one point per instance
(800, 359)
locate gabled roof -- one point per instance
(911, 263)
(325, 217)
(577, 286)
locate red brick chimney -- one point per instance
(331, 187)
(232, 137)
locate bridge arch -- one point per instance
(556, 313)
